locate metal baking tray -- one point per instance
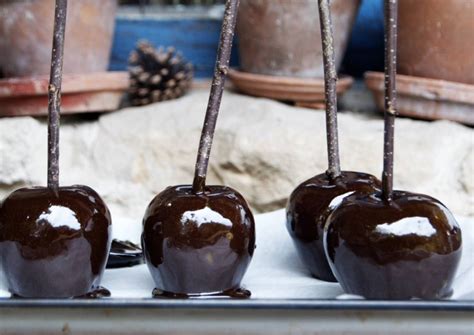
(253, 316)
(285, 300)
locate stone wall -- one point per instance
(262, 148)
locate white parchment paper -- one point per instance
(276, 271)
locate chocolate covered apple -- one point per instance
(408, 247)
(312, 201)
(198, 240)
(308, 209)
(393, 244)
(54, 240)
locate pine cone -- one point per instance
(157, 74)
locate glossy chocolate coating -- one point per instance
(308, 208)
(54, 245)
(237, 293)
(407, 248)
(198, 243)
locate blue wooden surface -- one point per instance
(196, 38)
(365, 50)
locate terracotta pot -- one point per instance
(435, 39)
(26, 28)
(81, 93)
(282, 38)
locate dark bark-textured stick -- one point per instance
(54, 96)
(217, 88)
(391, 22)
(330, 84)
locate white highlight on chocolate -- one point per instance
(337, 200)
(59, 216)
(204, 216)
(415, 225)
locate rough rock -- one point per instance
(262, 148)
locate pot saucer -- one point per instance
(429, 99)
(81, 93)
(303, 92)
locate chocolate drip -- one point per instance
(239, 293)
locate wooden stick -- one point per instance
(391, 22)
(54, 95)
(330, 84)
(217, 88)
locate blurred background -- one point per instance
(157, 56)
(364, 50)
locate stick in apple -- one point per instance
(56, 225)
(217, 88)
(330, 82)
(391, 19)
(313, 201)
(54, 96)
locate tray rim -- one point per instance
(256, 304)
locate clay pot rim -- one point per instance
(299, 90)
(72, 83)
(262, 79)
(427, 88)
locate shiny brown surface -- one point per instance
(308, 209)
(238, 293)
(54, 246)
(198, 243)
(408, 248)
